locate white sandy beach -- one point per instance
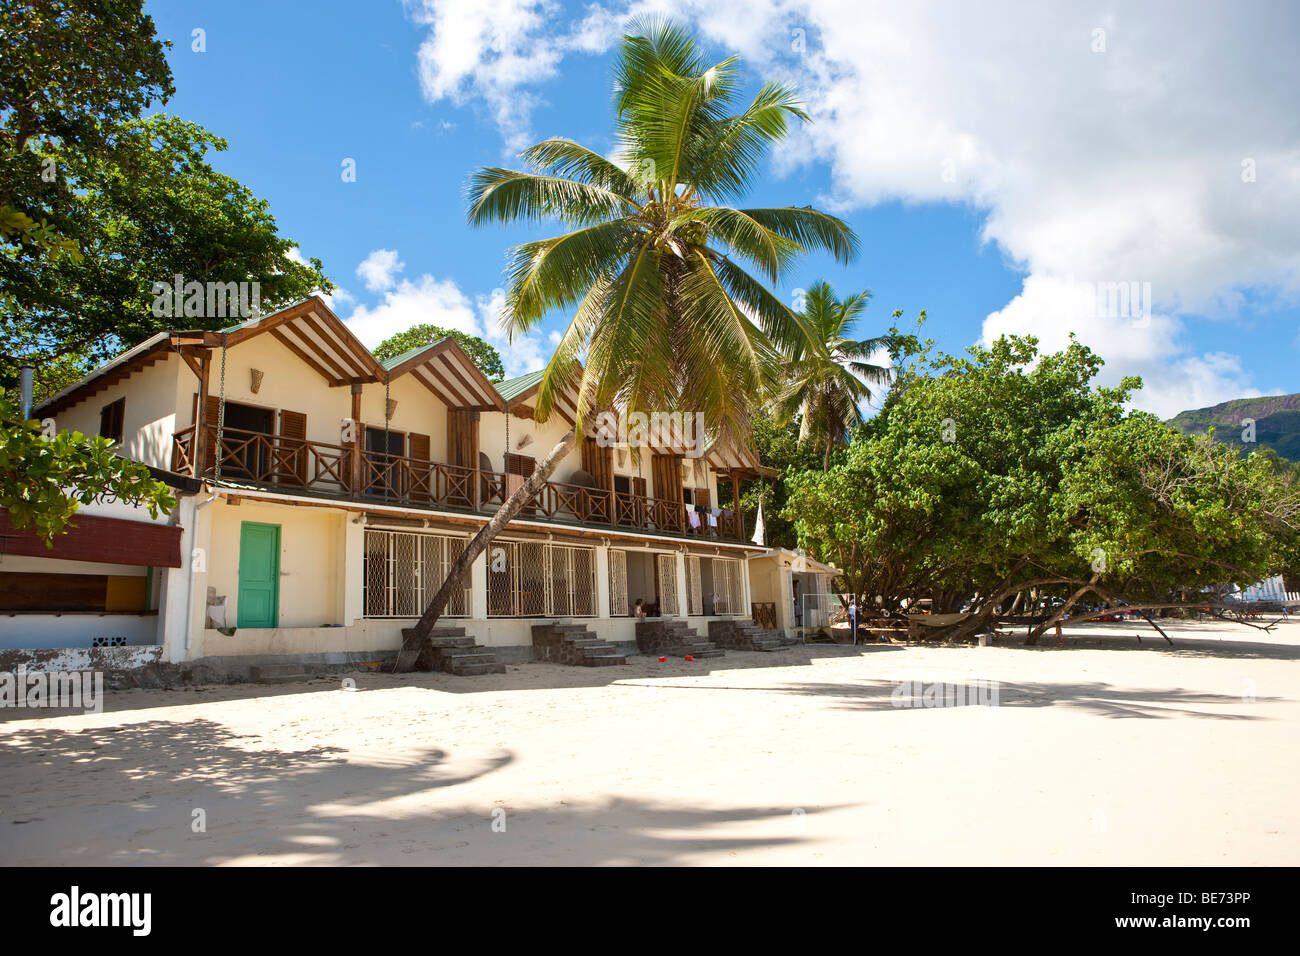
(1099, 752)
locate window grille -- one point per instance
(694, 585)
(618, 605)
(404, 570)
(667, 584)
(535, 579)
(726, 586)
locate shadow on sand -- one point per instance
(1105, 700)
(316, 805)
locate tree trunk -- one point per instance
(1063, 610)
(505, 514)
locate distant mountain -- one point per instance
(1277, 423)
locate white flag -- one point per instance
(758, 525)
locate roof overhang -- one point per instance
(311, 331)
(451, 375)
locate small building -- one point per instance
(791, 591)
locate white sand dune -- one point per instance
(1099, 752)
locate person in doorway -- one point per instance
(798, 606)
(638, 610)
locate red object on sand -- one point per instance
(690, 657)
(662, 659)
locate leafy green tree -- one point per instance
(44, 481)
(650, 264)
(147, 210)
(487, 358)
(829, 374)
(1006, 472)
(71, 71)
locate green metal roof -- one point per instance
(517, 386)
(397, 360)
(264, 315)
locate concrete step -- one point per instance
(603, 660)
(472, 656)
(449, 641)
(473, 670)
(279, 673)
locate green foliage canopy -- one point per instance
(487, 358)
(1004, 470)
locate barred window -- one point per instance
(404, 570)
(535, 579)
(726, 586)
(667, 565)
(618, 606)
(694, 586)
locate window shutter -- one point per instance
(420, 473)
(291, 458)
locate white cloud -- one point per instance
(339, 297)
(492, 51)
(379, 269)
(1091, 167)
(441, 302)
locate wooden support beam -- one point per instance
(735, 505)
(293, 347)
(200, 446)
(357, 437)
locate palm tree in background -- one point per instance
(654, 265)
(830, 375)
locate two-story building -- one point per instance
(334, 490)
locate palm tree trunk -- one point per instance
(504, 515)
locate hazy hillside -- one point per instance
(1277, 422)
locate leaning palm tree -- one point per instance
(654, 264)
(830, 375)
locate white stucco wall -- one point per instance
(153, 403)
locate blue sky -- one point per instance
(994, 174)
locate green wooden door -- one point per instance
(259, 574)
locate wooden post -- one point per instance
(735, 505)
(355, 463)
(200, 447)
(473, 461)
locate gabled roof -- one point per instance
(511, 388)
(449, 373)
(311, 331)
(521, 394)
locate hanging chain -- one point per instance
(388, 457)
(221, 407)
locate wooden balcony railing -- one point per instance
(303, 464)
